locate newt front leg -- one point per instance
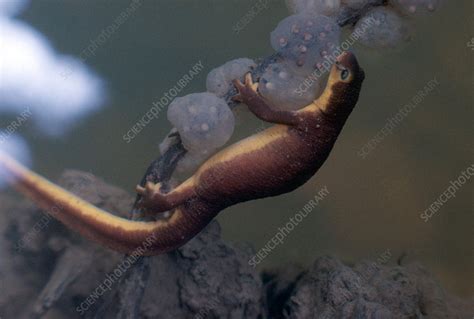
(257, 105)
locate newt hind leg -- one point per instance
(156, 200)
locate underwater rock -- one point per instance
(381, 28)
(332, 289)
(203, 120)
(305, 40)
(206, 278)
(34, 247)
(286, 90)
(219, 80)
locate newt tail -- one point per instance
(270, 163)
(120, 234)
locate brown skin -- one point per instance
(273, 162)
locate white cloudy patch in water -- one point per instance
(17, 148)
(58, 89)
(12, 7)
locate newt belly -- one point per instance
(269, 163)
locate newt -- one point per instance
(272, 162)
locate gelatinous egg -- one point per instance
(417, 6)
(219, 80)
(355, 4)
(381, 28)
(324, 7)
(300, 39)
(285, 90)
(203, 120)
(191, 161)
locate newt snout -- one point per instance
(347, 60)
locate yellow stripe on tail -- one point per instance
(96, 224)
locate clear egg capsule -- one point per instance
(286, 90)
(203, 120)
(301, 49)
(382, 28)
(417, 7)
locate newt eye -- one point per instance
(344, 74)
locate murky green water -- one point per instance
(374, 204)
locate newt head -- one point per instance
(342, 88)
(346, 69)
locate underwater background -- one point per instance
(374, 203)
